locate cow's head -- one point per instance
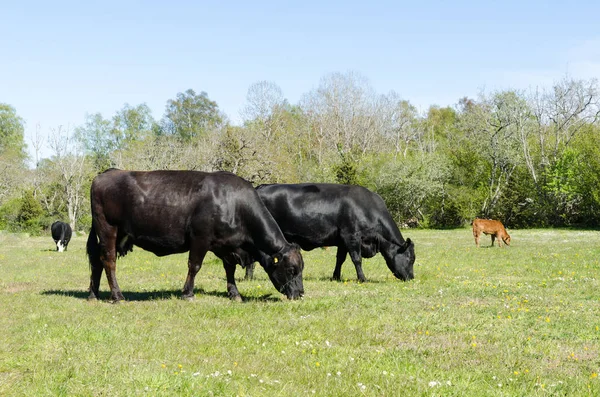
(402, 261)
(506, 239)
(60, 245)
(285, 271)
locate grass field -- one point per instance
(519, 321)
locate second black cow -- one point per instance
(350, 217)
(61, 234)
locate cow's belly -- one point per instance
(310, 241)
(159, 238)
(161, 246)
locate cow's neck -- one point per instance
(267, 236)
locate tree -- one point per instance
(264, 102)
(569, 107)
(343, 112)
(560, 116)
(191, 115)
(71, 172)
(402, 125)
(494, 123)
(587, 176)
(30, 214)
(96, 137)
(12, 152)
(131, 124)
(12, 128)
(236, 153)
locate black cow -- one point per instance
(167, 212)
(352, 218)
(61, 233)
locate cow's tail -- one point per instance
(93, 248)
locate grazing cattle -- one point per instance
(167, 212)
(352, 218)
(61, 233)
(491, 227)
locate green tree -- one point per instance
(12, 129)
(131, 124)
(191, 115)
(13, 167)
(587, 178)
(96, 135)
(346, 171)
(441, 122)
(30, 214)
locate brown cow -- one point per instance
(491, 227)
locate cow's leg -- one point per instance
(110, 268)
(249, 271)
(96, 266)
(232, 291)
(97, 269)
(357, 260)
(493, 238)
(108, 257)
(194, 264)
(101, 249)
(476, 235)
(353, 247)
(340, 257)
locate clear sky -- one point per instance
(62, 59)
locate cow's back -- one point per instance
(161, 211)
(488, 226)
(316, 214)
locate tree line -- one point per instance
(528, 158)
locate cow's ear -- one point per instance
(277, 258)
(406, 245)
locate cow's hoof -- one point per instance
(236, 298)
(188, 298)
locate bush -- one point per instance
(9, 212)
(30, 214)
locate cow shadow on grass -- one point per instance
(343, 280)
(141, 296)
(305, 278)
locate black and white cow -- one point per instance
(350, 217)
(61, 233)
(167, 212)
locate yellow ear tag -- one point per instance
(275, 260)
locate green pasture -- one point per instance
(518, 321)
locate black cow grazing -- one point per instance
(61, 233)
(167, 212)
(352, 218)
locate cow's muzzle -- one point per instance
(404, 277)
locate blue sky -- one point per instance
(63, 59)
